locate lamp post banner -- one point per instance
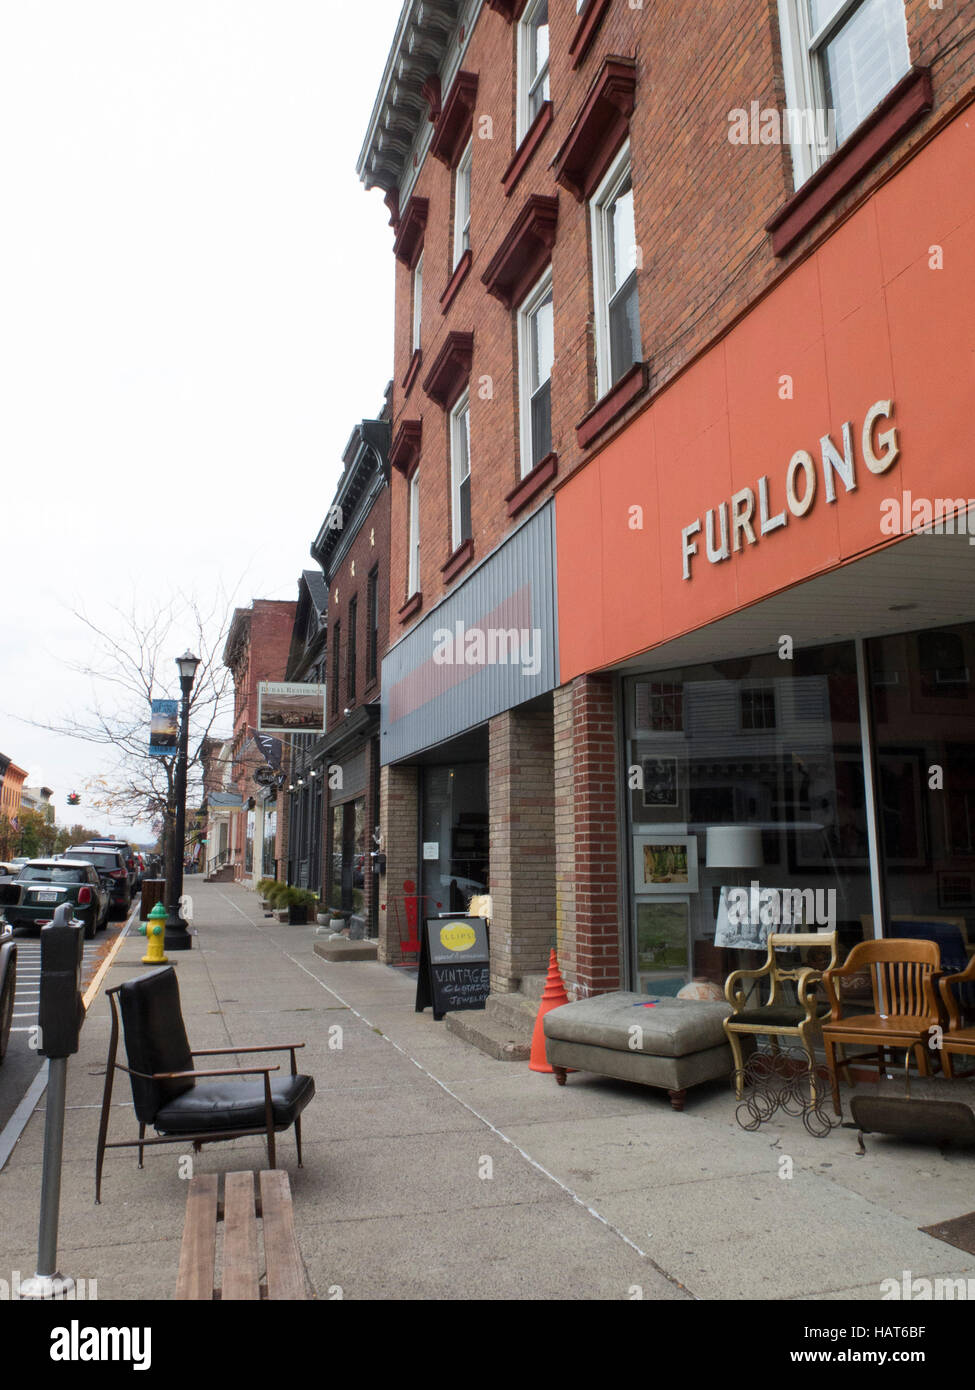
(164, 729)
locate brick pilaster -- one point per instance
(522, 816)
(399, 802)
(587, 859)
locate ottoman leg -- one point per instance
(677, 1098)
(560, 1074)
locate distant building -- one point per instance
(36, 799)
(12, 780)
(256, 650)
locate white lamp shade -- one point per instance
(734, 847)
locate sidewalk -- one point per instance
(594, 1188)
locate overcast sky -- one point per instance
(195, 311)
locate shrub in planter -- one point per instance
(299, 901)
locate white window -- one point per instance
(417, 301)
(615, 261)
(536, 354)
(460, 471)
(533, 83)
(462, 203)
(840, 59)
(413, 575)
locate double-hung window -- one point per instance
(417, 301)
(462, 203)
(350, 648)
(533, 80)
(336, 640)
(840, 59)
(460, 471)
(616, 258)
(536, 354)
(413, 539)
(372, 620)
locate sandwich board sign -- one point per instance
(455, 969)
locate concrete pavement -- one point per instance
(434, 1172)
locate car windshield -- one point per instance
(52, 873)
(100, 861)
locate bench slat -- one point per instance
(197, 1253)
(286, 1276)
(241, 1276)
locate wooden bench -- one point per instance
(285, 1276)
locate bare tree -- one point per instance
(132, 663)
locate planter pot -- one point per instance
(283, 915)
(298, 916)
(323, 918)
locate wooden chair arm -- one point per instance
(729, 985)
(227, 1051)
(948, 999)
(196, 1075)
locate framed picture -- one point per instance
(665, 863)
(828, 812)
(900, 807)
(662, 945)
(657, 779)
(956, 888)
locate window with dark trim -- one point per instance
(336, 665)
(350, 648)
(372, 618)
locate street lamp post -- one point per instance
(177, 937)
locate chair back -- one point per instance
(901, 973)
(155, 1039)
(951, 942)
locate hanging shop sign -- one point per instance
(745, 519)
(271, 748)
(455, 970)
(290, 708)
(164, 729)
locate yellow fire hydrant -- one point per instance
(155, 927)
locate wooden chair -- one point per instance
(957, 1039)
(904, 1001)
(183, 1105)
(778, 1016)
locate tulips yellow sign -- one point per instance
(457, 936)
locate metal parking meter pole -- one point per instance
(60, 1016)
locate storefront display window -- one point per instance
(455, 835)
(348, 856)
(745, 772)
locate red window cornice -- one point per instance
(412, 371)
(599, 129)
(507, 9)
(405, 449)
(452, 368)
(524, 252)
(456, 120)
(409, 238)
(455, 281)
(586, 27)
(523, 154)
(901, 109)
(460, 559)
(610, 407)
(532, 484)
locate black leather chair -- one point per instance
(182, 1104)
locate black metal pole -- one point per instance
(177, 936)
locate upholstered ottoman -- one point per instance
(670, 1043)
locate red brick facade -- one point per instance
(667, 78)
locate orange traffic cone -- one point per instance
(553, 995)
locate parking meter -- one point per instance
(61, 1011)
(60, 1016)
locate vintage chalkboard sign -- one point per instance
(455, 971)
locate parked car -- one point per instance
(111, 867)
(47, 883)
(128, 853)
(8, 869)
(8, 986)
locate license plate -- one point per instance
(47, 897)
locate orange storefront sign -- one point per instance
(850, 383)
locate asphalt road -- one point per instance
(22, 1062)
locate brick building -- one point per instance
(679, 318)
(256, 650)
(352, 548)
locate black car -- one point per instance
(45, 884)
(110, 864)
(128, 854)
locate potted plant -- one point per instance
(299, 901)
